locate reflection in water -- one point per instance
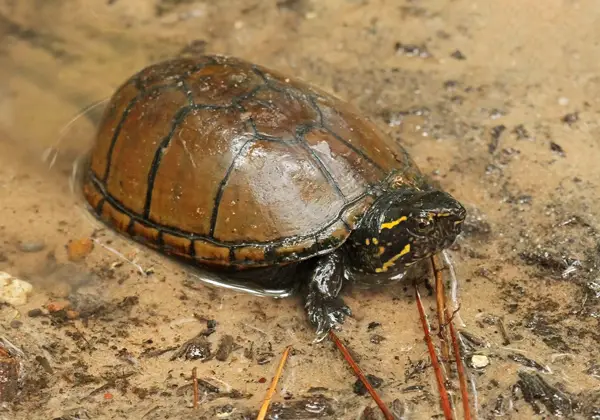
(213, 279)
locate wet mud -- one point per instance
(496, 101)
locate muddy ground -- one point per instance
(498, 101)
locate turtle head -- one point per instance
(404, 227)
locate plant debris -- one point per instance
(360, 389)
(311, 407)
(525, 361)
(225, 348)
(535, 389)
(11, 372)
(412, 50)
(197, 348)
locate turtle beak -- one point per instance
(451, 224)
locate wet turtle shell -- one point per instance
(229, 164)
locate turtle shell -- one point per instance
(227, 163)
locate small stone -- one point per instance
(13, 290)
(35, 313)
(571, 118)
(458, 55)
(376, 339)
(373, 325)
(57, 306)
(15, 323)
(479, 361)
(78, 249)
(32, 246)
(555, 147)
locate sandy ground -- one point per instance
(498, 101)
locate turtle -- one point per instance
(244, 171)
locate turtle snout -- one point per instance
(451, 217)
(451, 229)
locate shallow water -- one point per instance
(498, 101)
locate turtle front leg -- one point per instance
(324, 307)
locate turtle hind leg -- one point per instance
(323, 305)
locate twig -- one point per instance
(440, 299)
(449, 264)
(456, 348)
(123, 257)
(195, 380)
(445, 401)
(461, 370)
(475, 394)
(265, 406)
(83, 337)
(386, 412)
(10, 347)
(152, 410)
(254, 328)
(505, 337)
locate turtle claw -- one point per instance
(326, 313)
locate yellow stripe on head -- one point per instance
(389, 225)
(389, 263)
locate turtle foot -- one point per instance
(326, 313)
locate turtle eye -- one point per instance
(423, 225)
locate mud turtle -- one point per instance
(244, 171)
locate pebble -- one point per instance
(78, 249)
(14, 291)
(377, 339)
(373, 325)
(32, 246)
(35, 313)
(58, 306)
(479, 361)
